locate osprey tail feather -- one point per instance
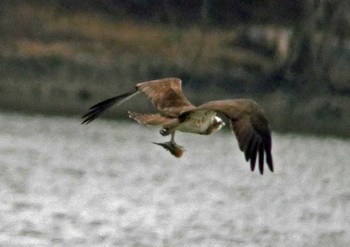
(96, 110)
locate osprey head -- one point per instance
(217, 124)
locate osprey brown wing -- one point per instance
(166, 95)
(250, 126)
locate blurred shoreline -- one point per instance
(286, 112)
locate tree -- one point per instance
(319, 37)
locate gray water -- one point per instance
(105, 184)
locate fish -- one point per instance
(175, 149)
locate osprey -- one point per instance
(176, 113)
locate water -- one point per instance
(105, 184)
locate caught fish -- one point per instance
(172, 147)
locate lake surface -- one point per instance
(106, 184)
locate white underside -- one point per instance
(198, 122)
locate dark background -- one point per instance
(60, 56)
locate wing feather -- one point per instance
(253, 156)
(166, 95)
(243, 131)
(261, 158)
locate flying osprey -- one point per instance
(246, 117)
